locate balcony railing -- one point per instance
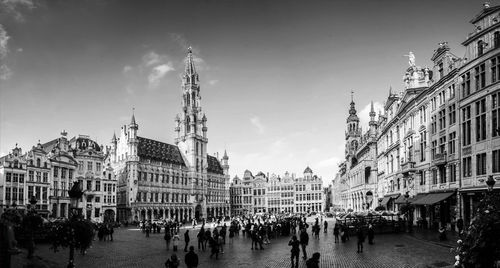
(440, 158)
(408, 166)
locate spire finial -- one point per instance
(390, 91)
(352, 95)
(132, 122)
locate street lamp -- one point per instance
(408, 211)
(74, 194)
(490, 182)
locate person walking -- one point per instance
(220, 243)
(167, 238)
(176, 241)
(361, 239)
(215, 248)
(186, 240)
(231, 234)
(313, 262)
(191, 258)
(294, 243)
(371, 234)
(304, 240)
(336, 232)
(325, 227)
(200, 237)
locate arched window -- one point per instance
(188, 124)
(194, 98)
(480, 47)
(38, 162)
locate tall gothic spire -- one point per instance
(352, 111)
(189, 68)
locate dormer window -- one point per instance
(38, 163)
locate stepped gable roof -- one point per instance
(214, 165)
(159, 151)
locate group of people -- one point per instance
(105, 232)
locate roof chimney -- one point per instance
(486, 5)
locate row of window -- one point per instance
(90, 166)
(481, 72)
(481, 164)
(162, 197)
(480, 120)
(164, 178)
(308, 197)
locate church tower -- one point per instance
(353, 132)
(191, 129)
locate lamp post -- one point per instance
(409, 212)
(74, 194)
(31, 242)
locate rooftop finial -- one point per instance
(352, 95)
(132, 122)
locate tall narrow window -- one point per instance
(466, 126)
(466, 165)
(453, 173)
(480, 48)
(423, 145)
(440, 70)
(465, 84)
(496, 39)
(452, 115)
(495, 114)
(481, 120)
(481, 164)
(495, 161)
(452, 142)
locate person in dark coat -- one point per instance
(186, 240)
(294, 243)
(200, 236)
(361, 238)
(173, 262)
(325, 225)
(371, 234)
(167, 238)
(313, 262)
(191, 258)
(336, 232)
(215, 248)
(304, 240)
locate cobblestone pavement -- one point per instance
(132, 249)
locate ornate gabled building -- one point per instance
(478, 110)
(309, 195)
(359, 171)
(48, 171)
(160, 180)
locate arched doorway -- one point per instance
(369, 199)
(197, 212)
(109, 215)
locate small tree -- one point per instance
(480, 246)
(75, 232)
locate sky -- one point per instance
(276, 76)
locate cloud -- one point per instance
(255, 120)
(183, 43)
(329, 162)
(127, 68)
(213, 82)
(5, 72)
(15, 8)
(364, 114)
(157, 73)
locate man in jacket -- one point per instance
(186, 240)
(304, 240)
(191, 258)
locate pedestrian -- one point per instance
(176, 241)
(220, 242)
(191, 258)
(313, 262)
(460, 226)
(304, 240)
(215, 248)
(206, 238)
(167, 238)
(148, 229)
(173, 262)
(361, 239)
(336, 232)
(231, 234)
(8, 242)
(371, 234)
(200, 236)
(186, 240)
(111, 231)
(294, 243)
(325, 224)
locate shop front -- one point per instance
(437, 209)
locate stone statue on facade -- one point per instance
(411, 59)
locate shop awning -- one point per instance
(400, 200)
(433, 198)
(387, 198)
